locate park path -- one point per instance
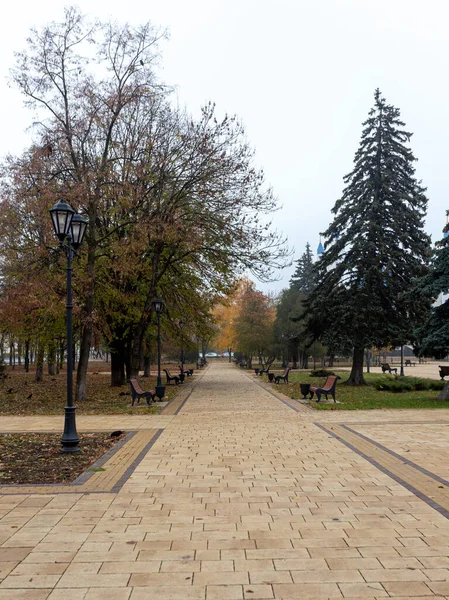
(245, 494)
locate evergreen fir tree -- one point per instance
(375, 247)
(433, 334)
(303, 279)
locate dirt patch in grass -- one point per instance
(36, 458)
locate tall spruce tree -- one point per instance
(375, 247)
(433, 335)
(303, 279)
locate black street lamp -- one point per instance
(181, 325)
(160, 389)
(70, 229)
(401, 372)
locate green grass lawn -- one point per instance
(366, 396)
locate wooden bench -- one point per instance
(262, 371)
(137, 392)
(327, 389)
(386, 367)
(170, 378)
(444, 370)
(409, 363)
(284, 377)
(187, 372)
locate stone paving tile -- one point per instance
(25, 594)
(224, 592)
(169, 592)
(76, 594)
(109, 594)
(85, 423)
(241, 496)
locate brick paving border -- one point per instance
(414, 478)
(175, 405)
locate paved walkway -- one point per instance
(241, 494)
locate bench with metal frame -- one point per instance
(386, 367)
(137, 392)
(327, 389)
(170, 378)
(284, 377)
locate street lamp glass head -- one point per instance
(61, 216)
(78, 229)
(158, 305)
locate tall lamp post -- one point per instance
(158, 307)
(401, 372)
(70, 229)
(181, 325)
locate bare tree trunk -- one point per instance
(118, 358)
(12, 355)
(444, 394)
(142, 357)
(295, 356)
(147, 360)
(127, 352)
(356, 376)
(117, 368)
(141, 328)
(61, 354)
(146, 366)
(81, 373)
(51, 359)
(27, 356)
(40, 362)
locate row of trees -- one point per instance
(374, 285)
(263, 327)
(175, 204)
(177, 209)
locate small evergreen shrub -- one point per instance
(437, 385)
(408, 384)
(321, 373)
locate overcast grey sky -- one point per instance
(300, 75)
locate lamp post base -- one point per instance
(160, 391)
(70, 439)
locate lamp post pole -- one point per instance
(159, 381)
(402, 361)
(70, 228)
(70, 439)
(160, 389)
(181, 325)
